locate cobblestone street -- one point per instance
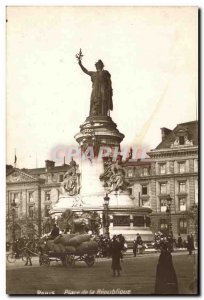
(137, 277)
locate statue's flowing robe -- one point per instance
(101, 96)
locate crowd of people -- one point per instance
(24, 248)
(166, 280)
(161, 239)
(104, 244)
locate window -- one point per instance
(47, 208)
(162, 168)
(182, 204)
(182, 187)
(163, 205)
(16, 212)
(148, 222)
(139, 221)
(146, 202)
(195, 165)
(30, 197)
(121, 220)
(16, 197)
(145, 171)
(163, 188)
(196, 191)
(130, 173)
(181, 140)
(47, 195)
(163, 225)
(144, 189)
(182, 167)
(61, 178)
(31, 211)
(49, 178)
(182, 226)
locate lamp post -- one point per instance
(13, 204)
(106, 207)
(168, 210)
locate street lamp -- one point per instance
(106, 207)
(13, 204)
(168, 210)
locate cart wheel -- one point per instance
(11, 257)
(47, 261)
(90, 260)
(41, 260)
(64, 263)
(69, 260)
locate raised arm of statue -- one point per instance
(84, 69)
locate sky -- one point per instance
(151, 54)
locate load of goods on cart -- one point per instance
(69, 248)
(76, 244)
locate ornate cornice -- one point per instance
(172, 152)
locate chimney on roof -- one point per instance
(49, 164)
(164, 132)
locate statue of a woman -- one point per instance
(101, 96)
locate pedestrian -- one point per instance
(180, 242)
(54, 233)
(170, 242)
(166, 279)
(15, 248)
(139, 243)
(135, 248)
(190, 244)
(116, 256)
(28, 256)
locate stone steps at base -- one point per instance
(129, 252)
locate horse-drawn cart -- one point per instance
(68, 249)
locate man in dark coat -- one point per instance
(116, 255)
(135, 248)
(166, 279)
(54, 233)
(190, 244)
(180, 242)
(27, 253)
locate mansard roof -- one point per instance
(189, 128)
(38, 171)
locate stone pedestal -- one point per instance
(99, 130)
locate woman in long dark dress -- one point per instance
(116, 256)
(166, 279)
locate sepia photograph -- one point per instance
(102, 150)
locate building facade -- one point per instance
(34, 192)
(171, 171)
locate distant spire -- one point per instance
(64, 161)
